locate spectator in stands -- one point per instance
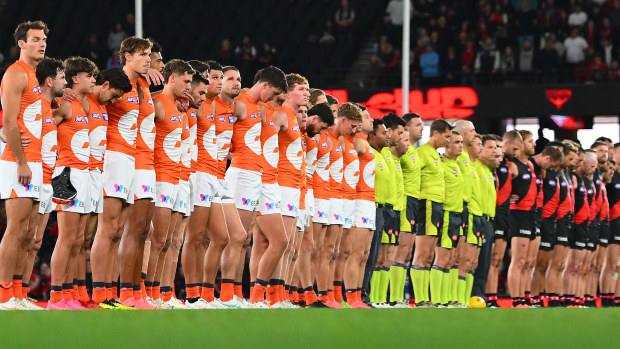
(113, 61)
(487, 61)
(525, 23)
(438, 45)
(93, 50)
(526, 62)
(575, 56)
(10, 58)
(384, 65)
(467, 67)
(267, 55)
(577, 18)
(591, 34)
(40, 286)
(548, 61)
(614, 20)
(387, 29)
(508, 65)
(130, 24)
(596, 69)
(226, 53)
(328, 38)
(344, 18)
(245, 59)
(451, 66)
(613, 73)
(605, 31)
(608, 51)
(116, 37)
(395, 9)
(429, 64)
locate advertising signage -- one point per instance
(497, 102)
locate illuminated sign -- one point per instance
(558, 97)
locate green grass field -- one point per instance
(315, 328)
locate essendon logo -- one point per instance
(445, 102)
(558, 97)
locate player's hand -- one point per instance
(514, 198)
(69, 95)
(25, 140)
(183, 102)
(153, 77)
(24, 174)
(55, 103)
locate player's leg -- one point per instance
(304, 265)
(357, 241)
(68, 223)
(530, 262)
(319, 230)
(609, 265)
(344, 252)
(33, 249)
(232, 251)
(571, 273)
(518, 259)
(218, 239)
(540, 271)
(161, 225)
(195, 236)
(270, 226)
(553, 279)
(497, 257)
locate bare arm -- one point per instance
(263, 114)
(281, 120)
(513, 169)
(160, 113)
(359, 146)
(63, 112)
(15, 82)
(239, 110)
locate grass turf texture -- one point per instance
(315, 328)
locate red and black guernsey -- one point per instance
(595, 209)
(524, 187)
(565, 199)
(582, 207)
(613, 195)
(504, 185)
(539, 180)
(551, 195)
(590, 189)
(604, 216)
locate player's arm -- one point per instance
(160, 112)
(359, 146)
(239, 110)
(25, 140)
(281, 120)
(85, 105)
(514, 170)
(341, 141)
(199, 111)
(63, 112)
(15, 82)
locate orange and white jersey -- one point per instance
(291, 153)
(123, 123)
(207, 144)
(269, 143)
(49, 141)
(73, 140)
(193, 141)
(303, 183)
(336, 167)
(312, 149)
(145, 139)
(320, 180)
(246, 146)
(168, 142)
(224, 121)
(186, 156)
(29, 117)
(366, 184)
(98, 126)
(351, 164)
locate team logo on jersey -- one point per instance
(28, 187)
(272, 124)
(324, 145)
(352, 152)
(270, 205)
(204, 197)
(582, 189)
(436, 161)
(388, 157)
(49, 120)
(453, 237)
(398, 166)
(187, 127)
(231, 119)
(165, 198)
(503, 170)
(291, 208)
(465, 162)
(537, 180)
(380, 165)
(295, 128)
(105, 116)
(131, 99)
(617, 185)
(146, 188)
(246, 202)
(321, 214)
(118, 188)
(175, 118)
(590, 191)
(149, 101)
(365, 220)
(527, 176)
(95, 116)
(598, 181)
(455, 172)
(552, 183)
(413, 158)
(81, 118)
(221, 118)
(36, 90)
(254, 116)
(339, 150)
(192, 114)
(563, 184)
(337, 217)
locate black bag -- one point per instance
(64, 191)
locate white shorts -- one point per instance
(204, 189)
(302, 219)
(118, 176)
(336, 211)
(222, 193)
(348, 213)
(45, 199)
(11, 188)
(321, 211)
(270, 199)
(144, 185)
(310, 202)
(181, 204)
(365, 212)
(245, 187)
(192, 184)
(95, 204)
(166, 194)
(80, 179)
(290, 201)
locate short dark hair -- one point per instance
(199, 66)
(48, 68)
(441, 126)
(21, 32)
(597, 143)
(554, 153)
(410, 116)
(177, 67)
(616, 145)
(604, 139)
(117, 79)
(362, 107)
(76, 65)
(198, 78)
(324, 113)
(392, 121)
(331, 100)
(375, 124)
(156, 46)
(213, 65)
(273, 76)
(315, 93)
(132, 45)
(559, 145)
(229, 68)
(488, 137)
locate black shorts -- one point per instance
(593, 235)
(396, 228)
(413, 212)
(431, 218)
(614, 231)
(452, 225)
(489, 232)
(538, 222)
(548, 234)
(563, 228)
(579, 236)
(604, 235)
(501, 225)
(477, 230)
(522, 224)
(389, 222)
(465, 218)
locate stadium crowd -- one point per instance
(336, 209)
